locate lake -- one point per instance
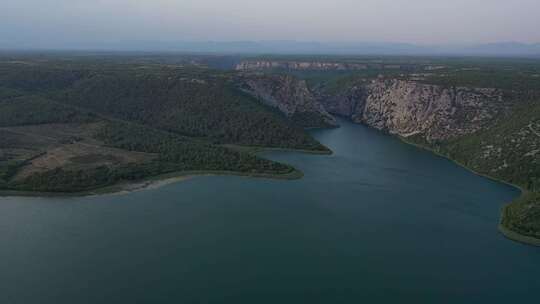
(378, 221)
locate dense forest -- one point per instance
(75, 125)
(190, 103)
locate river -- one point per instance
(378, 221)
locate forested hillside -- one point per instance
(194, 103)
(76, 126)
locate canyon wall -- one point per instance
(409, 108)
(291, 96)
(260, 65)
(400, 107)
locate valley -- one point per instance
(480, 114)
(72, 125)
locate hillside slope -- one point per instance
(70, 128)
(190, 103)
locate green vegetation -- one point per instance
(72, 125)
(61, 180)
(508, 151)
(183, 154)
(174, 154)
(522, 216)
(194, 103)
(32, 110)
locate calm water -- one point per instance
(378, 221)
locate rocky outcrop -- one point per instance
(291, 96)
(400, 107)
(259, 65)
(407, 108)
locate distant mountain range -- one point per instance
(298, 47)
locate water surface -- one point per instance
(379, 221)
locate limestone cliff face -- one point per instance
(400, 107)
(409, 108)
(291, 96)
(258, 65)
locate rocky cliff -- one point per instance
(259, 65)
(407, 108)
(289, 95)
(400, 107)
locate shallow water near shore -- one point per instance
(378, 221)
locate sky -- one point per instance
(62, 23)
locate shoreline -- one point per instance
(257, 149)
(157, 181)
(521, 189)
(518, 237)
(152, 182)
(505, 231)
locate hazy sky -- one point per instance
(47, 22)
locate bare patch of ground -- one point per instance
(70, 146)
(79, 156)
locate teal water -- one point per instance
(377, 222)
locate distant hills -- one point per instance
(358, 48)
(502, 48)
(298, 47)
